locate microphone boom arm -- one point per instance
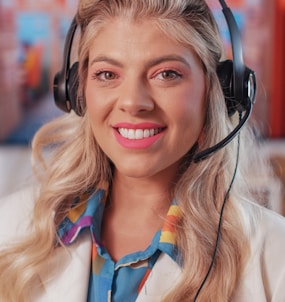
(206, 153)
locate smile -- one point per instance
(134, 134)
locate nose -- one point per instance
(135, 97)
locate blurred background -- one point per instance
(32, 34)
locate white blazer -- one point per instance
(66, 275)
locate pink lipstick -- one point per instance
(137, 136)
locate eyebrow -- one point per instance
(167, 58)
(107, 60)
(149, 64)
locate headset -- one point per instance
(237, 81)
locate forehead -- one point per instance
(130, 38)
(127, 30)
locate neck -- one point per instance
(135, 213)
(140, 194)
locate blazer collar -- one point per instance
(66, 275)
(164, 276)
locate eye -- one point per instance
(104, 75)
(168, 75)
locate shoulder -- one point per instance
(265, 270)
(271, 229)
(269, 232)
(15, 213)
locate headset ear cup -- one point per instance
(225, 74)
(59, 92)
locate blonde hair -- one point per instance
(76, 163)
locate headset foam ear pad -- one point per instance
(225, 74)
(59, 92)
(72, 87)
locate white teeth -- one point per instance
(138, 133)
(131, 134)
(146, 133)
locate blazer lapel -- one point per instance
(164, 275)
(66, 275)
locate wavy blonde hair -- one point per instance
(75, 162)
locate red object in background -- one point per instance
(61, 2)
(235, 3)
(277, 112)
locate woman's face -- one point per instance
(145, 96)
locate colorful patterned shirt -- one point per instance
(122, 280)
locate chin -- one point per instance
(135, 171)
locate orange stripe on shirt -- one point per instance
(144, 279)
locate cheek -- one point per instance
(190, 109)
(91, 99)
(93, 112)
(99, 101)
(94, 105)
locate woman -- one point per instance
(122, 212)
